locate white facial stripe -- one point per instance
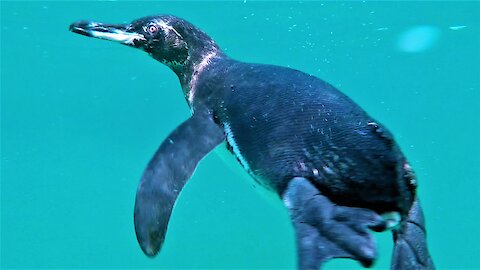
(233, 144)
(165, 27)
(118, 35)
(197, 69)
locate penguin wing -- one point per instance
(166, 174)
(325, 231)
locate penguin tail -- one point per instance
(410, 250)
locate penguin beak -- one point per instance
(120, 33)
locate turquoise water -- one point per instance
(80, 119)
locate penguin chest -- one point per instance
(230, 153)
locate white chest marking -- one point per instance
(233, 144)
(232, 162)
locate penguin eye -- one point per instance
(152, 28)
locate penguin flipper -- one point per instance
(410, 250)
(166, 174)
(325, 231)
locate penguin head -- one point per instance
(166, 38)
(161, 39)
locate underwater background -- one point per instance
(80, 118)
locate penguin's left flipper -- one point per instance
(325, 231)
(166, 174)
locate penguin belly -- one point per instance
(224, 152)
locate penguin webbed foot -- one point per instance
(410, 250)
(325, 231)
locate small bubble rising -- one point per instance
(418, 38)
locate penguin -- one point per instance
(338, 171)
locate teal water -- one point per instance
(80, 119)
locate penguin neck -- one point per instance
(202, 51)
(198, 60)
(194, 70)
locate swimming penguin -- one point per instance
(337, 170)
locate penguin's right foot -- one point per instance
(325, 230)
